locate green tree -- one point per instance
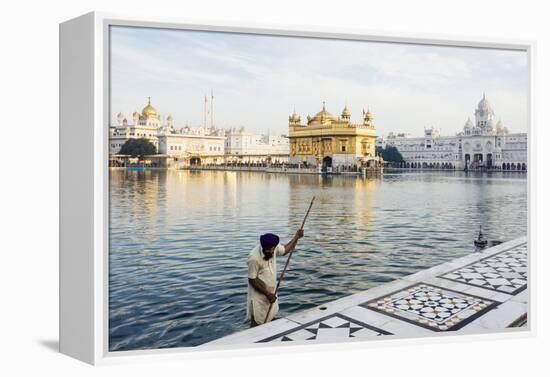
(138, 147)
(390, 153)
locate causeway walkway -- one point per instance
(483, 292)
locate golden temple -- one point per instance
(327, 140)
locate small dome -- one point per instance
(169, 117)
(345, 112)
(368, 116)
(468, 124)
(294, 118)
(120, 116)
(135, 114)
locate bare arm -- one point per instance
(260, 286)
(291, 245)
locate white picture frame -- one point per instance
(84, 116)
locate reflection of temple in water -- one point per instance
(365, 201)
(334, 214)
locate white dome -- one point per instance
(469, 124)
(484, 106)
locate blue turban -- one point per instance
(269, 240)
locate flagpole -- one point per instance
(204, 124)
(211, 109)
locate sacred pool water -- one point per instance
(179, 240)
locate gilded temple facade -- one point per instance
(330, 141)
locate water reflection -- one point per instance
(179, 240)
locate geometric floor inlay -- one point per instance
(432, 307)
(504, 272)
(329, 328)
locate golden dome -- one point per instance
(149, 111)
(323, 114)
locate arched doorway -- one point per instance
(523, 166)
(195, 161)
(327, 162)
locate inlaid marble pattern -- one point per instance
(504, 272)
(330, 328)
(432, 307)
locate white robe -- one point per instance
(266, 271)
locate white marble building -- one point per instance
(248, 146)
(485, 144)
(196, 145)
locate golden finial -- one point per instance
(148, 100)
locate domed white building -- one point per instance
(484, 145)
(185, 144)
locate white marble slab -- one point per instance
(256, 334)
(296, 326)
(501, 317)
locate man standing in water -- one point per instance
(262, 276)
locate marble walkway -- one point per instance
(479, 293)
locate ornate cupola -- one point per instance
(294, 118)
(119, 118)
(170, 121)
(346, 115)
(367, 117)
(468, 126)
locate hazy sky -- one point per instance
(257, 81)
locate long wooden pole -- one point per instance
(288, 261)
